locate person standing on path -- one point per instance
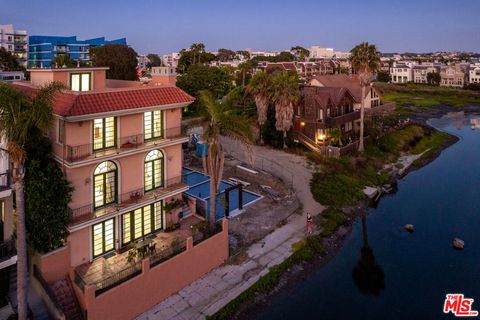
(309, 223)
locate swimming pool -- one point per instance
(199, 184)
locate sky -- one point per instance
(168, 26)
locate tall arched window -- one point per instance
(153, 170)
(105, 184)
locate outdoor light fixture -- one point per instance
(302, 124)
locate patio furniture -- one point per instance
(152, 248)
(142, 246)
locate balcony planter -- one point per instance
(128, 145)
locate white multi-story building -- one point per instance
(474, 74)
(142, 61)
(170, 60)
(420, 72)
(402, 72)
(14, 41)
(342, 54)
(319, 52)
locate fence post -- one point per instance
(145, 265)
(189, 243)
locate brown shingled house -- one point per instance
(322, 110)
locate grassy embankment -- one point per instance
(340, 181)
(411, 98)
(303, 251)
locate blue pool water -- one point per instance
(200, 189)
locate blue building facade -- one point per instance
(43, 49)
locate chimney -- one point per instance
(164, 76)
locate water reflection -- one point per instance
(367, 275)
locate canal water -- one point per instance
(384, 272)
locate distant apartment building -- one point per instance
(401, 72)
(42, 50)
(342, 55)
(474, 73)
(15, 42)
(142, 61)
(420, 72)
(171, 59)
(119, 143)
(319, 52)
(453, 75)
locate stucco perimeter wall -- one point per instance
(137, 295)
(54, 265)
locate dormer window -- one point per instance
(80, 81)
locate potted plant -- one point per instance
(169, 208)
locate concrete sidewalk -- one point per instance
(218, 287)
(214, 290)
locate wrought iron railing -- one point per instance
(119, 277)
(88, 212)
(207, 233)
(166, 254)
(85, 151)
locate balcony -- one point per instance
(87, 212)
(339, 120)
(86, 151)
(109, 271)
(5, 181)
(8, 253)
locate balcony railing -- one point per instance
(87, 212)
(347, 117)
(85, 151)
(5, 180)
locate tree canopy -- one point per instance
(199, 77)
(47, 194)
(8, 62)
(383, 76)
(281, 57)
(434, 78)
(225, 55)
(120, 58)
(300, 53)
(194, 55)
(64, 60)
(153, 60)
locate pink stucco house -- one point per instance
(119, 143)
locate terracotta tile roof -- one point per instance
(70, 103)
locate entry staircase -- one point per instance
(65, 296)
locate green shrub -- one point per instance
(333, 219)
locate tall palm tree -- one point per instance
(220, 119)
(365, 60)
(260, 87)
(368, 276)
(19, 116)
(285, 95)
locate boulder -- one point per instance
(458, 243)
(409, 227)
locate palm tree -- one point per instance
(19, 116)
(260, 87)
(285, 95)
(365, 60)
(220, 119)
(367, 275)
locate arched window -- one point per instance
(153, 170)
(105, 184)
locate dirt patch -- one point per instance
(262, 217)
